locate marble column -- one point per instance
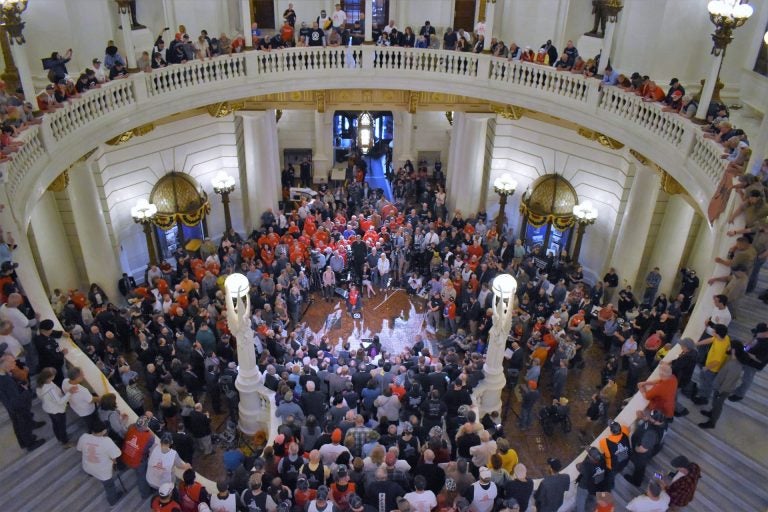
(322, 151)
(368, 28)
(701, 259)
(19, 53)
(224, 13)
(245, 21)
(403, 139)
(99, 257)
(670, 241)
(466, 157)
(760, 141)
(395, 13)
(170, 16)
(56, 260)
(635, 224)
(490, 18)
(128, 48)
(605, 53)
(260, 180)
(709, 87)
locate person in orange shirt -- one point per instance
(267, 256)
(475, 249)
(661, 393)
(79, 299)
(247, 252)
(653, 92)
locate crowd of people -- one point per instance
(364, 428)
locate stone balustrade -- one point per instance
(103, 113)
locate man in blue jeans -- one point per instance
(99, 456)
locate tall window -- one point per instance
(354, 8)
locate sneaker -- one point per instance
(682, 413)
(735, 398)
(708, 414)
(38, 424)
(37, 443)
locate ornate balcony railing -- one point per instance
(103, 113)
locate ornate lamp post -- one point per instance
(488, 393)
(505, 186)
(586, 215)
(143, 213)
(224, 184)
(10, 18)
(238, 301)
(725, 15)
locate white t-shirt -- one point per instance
(330, 452)
(81, 401)
(160, 466)
(645, 504)
(14, 347)
(98, 454)
(227, 505)
(339, 18)
(719, 316)
(421, 501)
(21, 323)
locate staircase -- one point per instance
(51, 478)
(734, 455)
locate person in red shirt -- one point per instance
(354, 303)
(661, 393)
(449, 313)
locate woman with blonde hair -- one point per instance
(170, 412)
(54, 403)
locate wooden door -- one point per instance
(464, 15)
(264, 13)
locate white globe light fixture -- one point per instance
(504, 287)
(237, 286)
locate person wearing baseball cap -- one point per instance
(138, 442)
(166, 499)
(482, 493)
(321, 503)
(550, 494)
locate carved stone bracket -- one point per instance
(413, 101)
(320, 101)
(135, 132)
(602, 139)
(449, 117)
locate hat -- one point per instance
(555, 464)
(355, 501)
(761, 327)
(302, 483)
(167, 438)
(336, 435)
(681, 461)
(46, 325)
(9, 265)
(673, 81)
(142, 423)
(688, 343)
(532, 384)
(408, 428)
(657, 415)
(520, 471)
(485, 473)
(96, 61)
(450, 484)
(165, 490)
(341, 471)
(322, 493)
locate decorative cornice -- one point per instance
(600, 138)
(60, 183)
(668, 184)
(135, 132)
(511, 112)
(224, 108)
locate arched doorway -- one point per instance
(547, 210)
(182, 205)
